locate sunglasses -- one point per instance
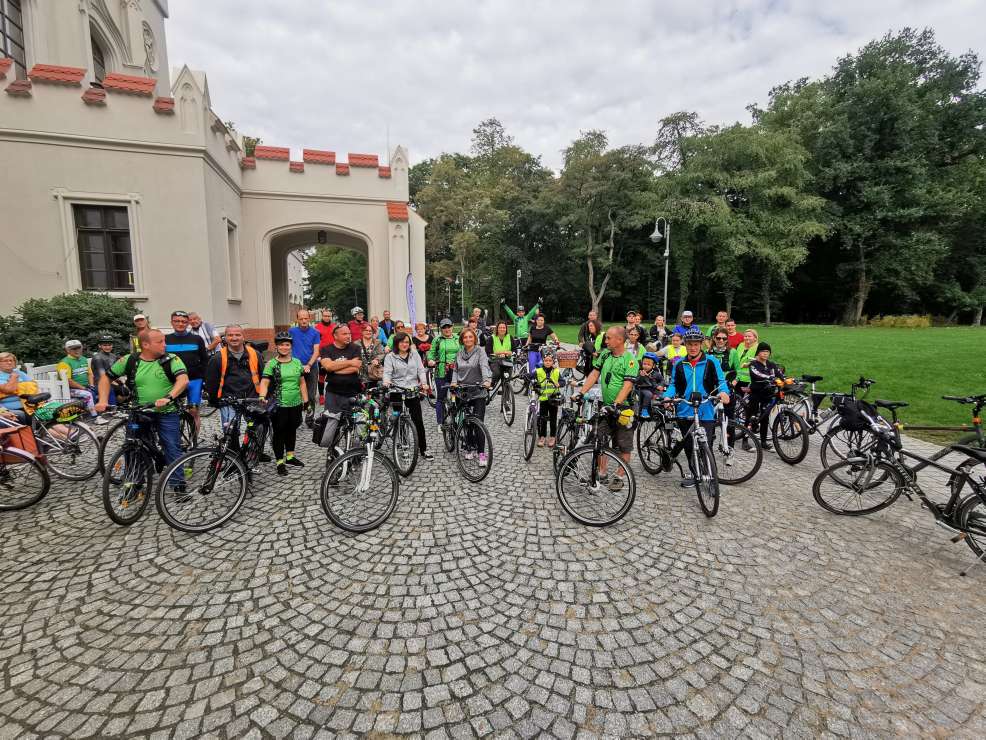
(720, 339)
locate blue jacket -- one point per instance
(705, 377)
(682, 329)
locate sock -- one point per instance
(281, 461)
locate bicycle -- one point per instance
(465, 434)
(502, 385)
(24, 481)
(872, 481)
(521, 377)
(70, 448)
(737, 450)
(129, 474)
(213, 480)
(355, 495)
(397, 426)
(582, 492)
(116, 433)
(788, 431)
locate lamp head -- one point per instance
(658, 235)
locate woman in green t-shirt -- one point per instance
(285, 374)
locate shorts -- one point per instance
(194, 392)
(616, 436)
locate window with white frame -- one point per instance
(234, 287)
(12, 35)
(105, 251)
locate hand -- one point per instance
(431, 363)
(724, 397)
(502, 301)
(425, 389)
(486, 384)
(385, 384)
(455, 385)
(162, 402)
(101, 407)
(540, 299)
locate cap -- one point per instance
(72, 343)
(106, 339)
(445, 322)
(687, 313)
(763, 347)
(140, 316)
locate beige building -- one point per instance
(119, 177)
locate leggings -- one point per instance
(548, 417)
(413, 406)
(684, 425)
(475, 439)
(756, 405)
(284, 423)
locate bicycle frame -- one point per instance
(697, 431)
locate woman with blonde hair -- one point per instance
(741, 358)
(10, 378)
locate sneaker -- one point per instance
(178, 488)
(551, 441)
(767, 446)
(469, 455)
(615, 483)
(687, 483)
(645, 414)
(264, 457)
(295, 462)
(540, 441)
(282, 469)
(101, 420)
(747, 445)
(482, 459)
(427, 455)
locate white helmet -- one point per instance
(356, 310)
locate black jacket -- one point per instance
(239, 379)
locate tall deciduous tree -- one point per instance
(336, 279)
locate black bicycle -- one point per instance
(397, 427)
(503, 386)
(116, 433)
(737, 450)
(205, 488)
(129, 475)
(788, 431)
(465, 434)
(534, 414)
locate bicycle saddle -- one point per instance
(36, 398)
(812, 378)
(977, 453)
(891, 405)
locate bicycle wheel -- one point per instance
(739, 457)
(507, 404)
(189, 436)
(652, 448)
(530, 432)
(563, 443)
(790, 435)
(127, 485)
(73, 452)
(471, 437)
(855, 488)
(584, 497)
(448, 434)
(519, 381)
(405, 445)
(358, 492)
(432, 393)
(971, 516)
(112, 440)
(707, 480)
(23, 480)
(201, 490)
(841, 444)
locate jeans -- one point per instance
(226, 415)
(167, 427)
(335, 407)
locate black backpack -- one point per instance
(131, 371)
(856, 415)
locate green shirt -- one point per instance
(288, 386)
(522, 323)
(442, 353)
(742, 355)
(150, 382)
(614, 371)
(74, 368)
(711, 329)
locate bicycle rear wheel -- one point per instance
(840, 445)
(23, 480)
(790, 435)
(201, 490)
(448, 434)
(707, 480)
(739, 457)
(189, 436)
(127, 485)
(471, 437)
(72, 452)
(652, 448)
(111, 440)
(584, 497)
(530, 432)
(405, 445)
(563, 443)
(507, 404)
(972, 518)
(359, 493)
(432, 392)
(857, 487)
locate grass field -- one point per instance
(914, 365)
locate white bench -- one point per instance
(48, 381)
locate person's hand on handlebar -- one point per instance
(724, 398)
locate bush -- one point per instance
(910, 321)
(37, 330)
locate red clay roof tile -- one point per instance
(318, 156)
(383, 171)
(296, 166)
(131, 84)
(164, 105)
(280, 153)
(57, 74)
(342, 169)
(248, 163)
(363, 160)
(21, 88)
(5, 64)
(94, 96)
(397, 211)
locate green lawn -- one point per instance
(913, 365)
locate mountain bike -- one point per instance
(69, 446)
(586, 495)
(397, 426)
(129, 474)
(465, 434)
(520, 379)
(23, 478)
(359, 488)
(873, 480)
(205, 488)
(503, 386)
(116, 433)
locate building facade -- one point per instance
(122, 179)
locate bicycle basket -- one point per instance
(61, 413)
(856, 415)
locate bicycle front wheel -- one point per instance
(857, 487)
(23, 480)
(507, 404)
(189, 435)
(563, 443)
(585, 496)
(530, 432)
(127, 485)
(72, 452)
(359, 492)
(707, 481)
(739, 456)
(201, 490)
(111, 441)
(405, 445)
(790, 435)
(473, 449)
(652, 446)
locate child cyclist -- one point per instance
(548, 380)
(650, 383)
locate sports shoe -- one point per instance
(264, 457)
(294, 461)
(687, 483)
(469, 455)
(540, 441)
(427, 455)
(615, 483)
(282, 469)
(482, 459)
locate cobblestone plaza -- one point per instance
(480, 610)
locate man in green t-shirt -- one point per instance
(615, 369)
(521, 319)
(151, 384)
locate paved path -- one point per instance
(486, 610)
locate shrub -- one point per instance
(909, 321)
(38, 328)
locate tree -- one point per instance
(489, 137)
(336, 279)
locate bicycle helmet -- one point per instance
(356, 310)
(652, 357)
(283, 336)
(694, 334)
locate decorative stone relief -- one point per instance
(150, 51)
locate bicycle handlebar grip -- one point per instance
(960, 399)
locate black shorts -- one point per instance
(616, 436)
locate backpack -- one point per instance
(130, 371)
(855, 415)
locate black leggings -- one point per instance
(547, 416)
(684, 425)
(284, 423)
(757, 403)
(413, 406)
(474, 438)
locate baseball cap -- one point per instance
(687, 313)
(140, 316)
(72, 343)
(444, 322)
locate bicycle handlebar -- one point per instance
(966, 399)
(691, 402)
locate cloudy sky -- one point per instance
(334, 75)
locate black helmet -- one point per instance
(694, 334)
(106, 339)
(283, 336)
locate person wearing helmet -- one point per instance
(284, 382)
(650, 382)
(521, 319)
(102, 361)
(357, 322)
(441, 357)
(696, 373)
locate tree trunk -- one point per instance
(977, 317)
(854, 310)
(766, 300)
(729, 303)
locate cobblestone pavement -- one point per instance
(480, 610)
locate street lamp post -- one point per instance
(461, 282)
(658, 236)
(448, 294)
(518, 289)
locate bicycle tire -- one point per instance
(707, 480)
(562, 444)
(228, 468)
(19, 478)
(476, 473)
(337, 505)
(448, 435)
(652, 449)
(71, 462)
(853, 480)
(744, 458)
(530, 432)
(508, 404)
(111, 436)
(432, 391)
(188, 435)
(137, 478)
(405, 433)
(790, 436)
(576, 469)
(971, 517)
(839, 445)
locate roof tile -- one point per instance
(5, 64)
(130, 84)
(248, 163)
(397, 211)
(342, 169)
(383, 171)
(94, 96)
(280, 153)
(57, 74)
(363, 160)
(20, 88)
(318, 156)
(296, 166)
(164, 105)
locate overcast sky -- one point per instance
(334, 75)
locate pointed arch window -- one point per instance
(98, 60)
